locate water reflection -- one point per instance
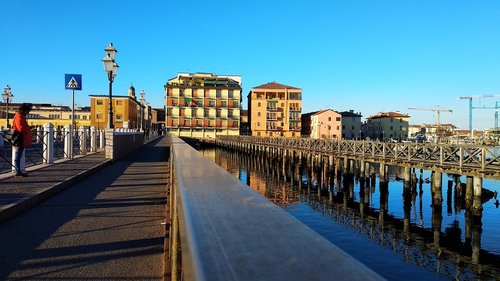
(400, 222)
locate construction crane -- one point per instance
(470, 98)
(438, 113)
(497, 106)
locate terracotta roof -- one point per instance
(274, 85)
(388, 114)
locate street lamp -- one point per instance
(7, 97)
(111, 68)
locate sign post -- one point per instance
(73, 82)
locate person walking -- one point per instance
(20, 125)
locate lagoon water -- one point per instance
(434, 245)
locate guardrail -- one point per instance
(220, 229)
(472, 160)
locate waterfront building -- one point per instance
(244, 128)
(203, 105)
(127, 111)
(274, 110)
(351, 125)
(323, 124)
(157, 119)
(58, 115)
(387, 126)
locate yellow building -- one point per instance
(387, 126)
(58, 115)
(126, 111)
(203, 105)
(274, 110)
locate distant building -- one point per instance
(323, 124)
(431, 130)
(274, 110)
(127, 111)
(351, 125)
(57, 115)
(203, 105)
(157, 119)
(387, 126)
(244, 127)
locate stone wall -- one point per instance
(119, 144)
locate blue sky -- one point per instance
(368, 56)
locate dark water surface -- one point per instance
(406, 239)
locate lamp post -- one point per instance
(97, 118)
(111, 68)
(7, 97)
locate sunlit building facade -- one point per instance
(203, 105)
(275, 110)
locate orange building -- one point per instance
(274, 110)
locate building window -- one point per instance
(230, 94)
(352, 127)
(258, 104)
(224, 103)
(391, 128)
(329, 118)
(211, 103)
(258, 113)
(100, 102)
(218, 93)
(98, 116)
(119, 117)
(119, 102)
(258, 124)
(338, 119)
(181, 92)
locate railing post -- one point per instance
(48, 143)
(39, 133)
(102, 140)
(82, 134)
(93, 139)
(68, 141)
(483, 159)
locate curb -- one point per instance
(14, 209)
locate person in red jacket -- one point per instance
(19, 124)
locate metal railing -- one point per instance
(220, 229)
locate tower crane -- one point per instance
(470, 106)
(438, 115)
(497, 106)
(437, 110)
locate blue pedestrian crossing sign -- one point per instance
(73, 81)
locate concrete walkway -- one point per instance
(106, 226)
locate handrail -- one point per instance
(220, 229)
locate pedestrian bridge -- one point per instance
(469, 160)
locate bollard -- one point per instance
(102, 140)
(93, 139)
(68, 141)
(82, 136)
(48, 143)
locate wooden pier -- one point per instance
(468, 160)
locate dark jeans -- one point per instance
(17, 160)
